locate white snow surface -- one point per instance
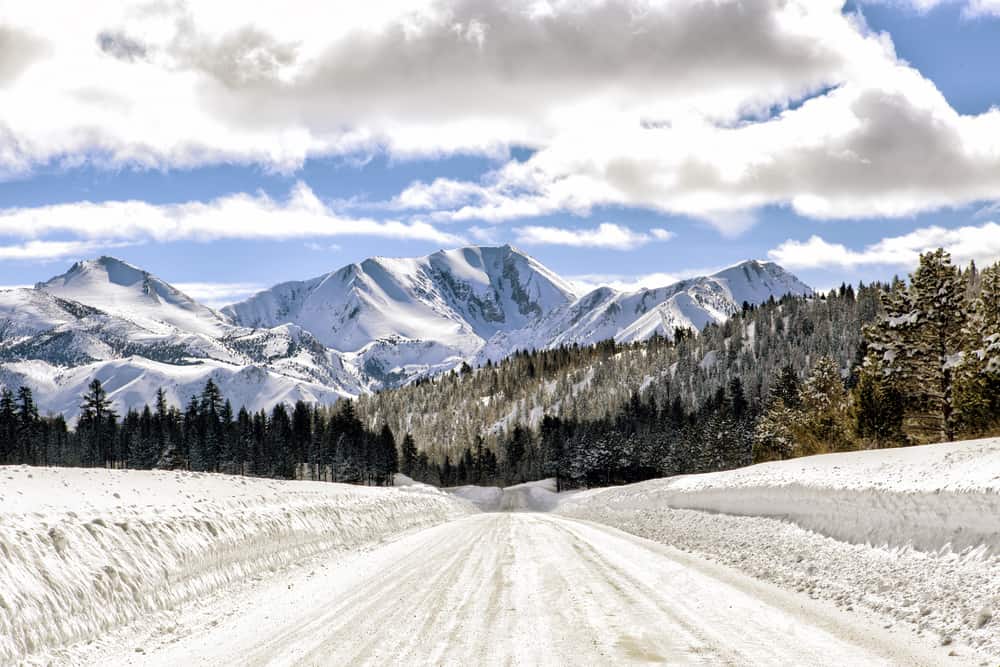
(784, 563)
(379, 323)
(85, 551)
(517, 588)
(908, 534)
(538, 496)
(932, 497)
(123, 290)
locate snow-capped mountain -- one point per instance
(122, 290)
(626, 317)
(366, 326)
(109, 320)
(457, 298)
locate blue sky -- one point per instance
(563, 175)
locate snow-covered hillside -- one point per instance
(110, 321)
(633, 316)
(129, 293)
(88, 550)
(367, 326)
(912, 534)
(404, 317)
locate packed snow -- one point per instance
(878, 557)
(523, 588)
(934, 497)
(85, 551)
(909, 534)
(539, 496)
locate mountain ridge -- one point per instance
(369, 325)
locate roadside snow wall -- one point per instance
(83, 551)
(932, 498)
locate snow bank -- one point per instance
(933, 497)
(539, 496)
(486, 498)
(911, 534)
(83, 551)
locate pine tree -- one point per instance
(409, 456)
(210, 427)
(28, 426)
(8, 427)
(824, 407)
(96, 425)
(977, 384)
(920, 344)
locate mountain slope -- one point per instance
(367, 326)
(120, 289)
(626, 317)
(457, 298)
(136, 333)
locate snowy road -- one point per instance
(523, 588)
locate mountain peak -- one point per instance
(456, 298)
(119, 288)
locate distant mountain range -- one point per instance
(367, 326)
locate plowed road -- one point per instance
(520, 588)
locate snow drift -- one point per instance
(931, 498)
(83, 551)
(538, 496)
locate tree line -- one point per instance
(301, 441)
(882, 365)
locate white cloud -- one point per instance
(217, 295)
(642, 103)
(983, 7)
(605, 235)
(240, 216)
(187, 83)
(484, 235)
(981, 244)
(323, 247)
(631, 283)
(51, 250)
(971, 8)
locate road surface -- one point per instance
(521, 589)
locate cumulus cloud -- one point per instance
(50, 250)
(241, 216)
(970, 8)
(586, 282)
(711, 109)
(18, 50)
(981, 244)
(606, 235)
(173, 84)
(216, 295)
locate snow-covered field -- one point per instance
(537, 496)
(886, 557)
(84, 551)
(935, 497)
(910, 534)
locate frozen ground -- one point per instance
(85, 551)
(910, 534)
(934, 497)
(537, 496)
(800, 562)
(522, 588)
